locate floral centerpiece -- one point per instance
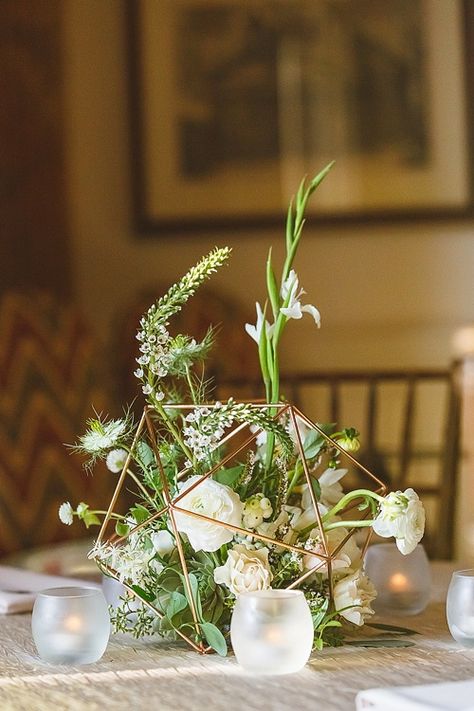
(231, 497)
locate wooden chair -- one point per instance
(50, 376)
(409, 422)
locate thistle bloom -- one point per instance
(66, 513)
(255, 332)
(402, 516)
(291, 296)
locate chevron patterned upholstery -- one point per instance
(48, 384)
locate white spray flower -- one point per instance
(291, 296)
(255, 332)
(66, 513)
(353, 596)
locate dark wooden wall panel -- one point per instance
(34, 245)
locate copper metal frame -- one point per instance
(172, 506)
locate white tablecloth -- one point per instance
(151, 675)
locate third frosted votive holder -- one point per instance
(403, 582)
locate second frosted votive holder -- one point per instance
(272, 631)
(403, 582)
(70, 625)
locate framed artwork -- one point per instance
(233, 101)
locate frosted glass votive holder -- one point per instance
(272, 631)
(70, 625)
(460, 607)
(403, 582)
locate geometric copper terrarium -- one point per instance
(236, 443)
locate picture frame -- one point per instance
(233, 102)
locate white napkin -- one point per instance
(452, 696)
(18, 587)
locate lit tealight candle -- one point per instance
(399, 583)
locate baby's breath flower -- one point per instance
(66, 513)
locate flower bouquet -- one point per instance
(231, 497)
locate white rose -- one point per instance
(245, 570)
(217, 502)
(352, 597)
(402, 516)
(163, 542)
(347, 557)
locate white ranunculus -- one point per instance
(402, 516)
(347, 557)
(217, 502)
(245, 570)
(353, 596)
(163, 542)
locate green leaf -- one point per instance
(313, 444)
(316, 486)
(145, 454)
(214, 638)
(139, 513)
(143, 594)
(380, 643)
(90, 519)
(229, 476)
(121, 529)
(177, 603)
(195, 592)
(391, 628)
(272, 287)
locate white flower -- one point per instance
(116, 460)
(66, 513)
(163, 542)
(402, 516)
(347, 557)
(291, 296)
(147, 389)
(214, 500)
(255, 332)
(245, 570)
(354, 592)
(256, 509)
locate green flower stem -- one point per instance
(296, 475)
(356, 494)
(172, 429)
(364, 523)
(141, 487)
(191, 386)
(99, 512)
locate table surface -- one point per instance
(170, 677)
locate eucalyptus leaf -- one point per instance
(313, 444)
(177, 603)
(214, 638)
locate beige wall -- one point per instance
(389, 295)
